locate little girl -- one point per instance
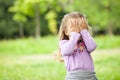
(76, 44)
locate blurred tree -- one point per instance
(52, 23)
(107, 8)
(28, 8)
(7, 28)
(20, 19)
(103, 15)
(99, 12)
(35, 9)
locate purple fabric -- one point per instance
(77, 60)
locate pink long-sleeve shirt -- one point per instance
(78, 60)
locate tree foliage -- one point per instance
(42, 17)
(102, 14)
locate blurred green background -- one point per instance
(29, 37)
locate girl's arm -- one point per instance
(68, 47)
(88, 40)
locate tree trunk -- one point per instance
(37, 16)
(21, 31)
(110, 29)
(63, 5)
(69, 1)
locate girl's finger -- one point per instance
(71, 22)
(74, 22)
(85, 20)
(82, 19)
(77, 22)
(80, 28)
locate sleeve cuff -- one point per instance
(84, 31)
(75, 33)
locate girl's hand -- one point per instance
(77, 25)
(74, 26)
(83, 25)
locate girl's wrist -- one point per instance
(75, 34)
(83, 31)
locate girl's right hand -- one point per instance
(74, 26)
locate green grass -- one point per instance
(15, 63)
(15, 68)
(48, 44)
(22, 68)
(29, 45)
(107, 42)
(107, 66)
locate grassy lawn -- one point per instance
(107, 66)
(35, 68)
(29, 45)
(30, 68)
(49, 44)
(21, 59)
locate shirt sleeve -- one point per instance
(88, 40)
(68, 46)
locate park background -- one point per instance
(29, 37)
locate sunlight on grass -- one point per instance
(49, 44)
(21, 59)
(32, 69)
(107, 42)
(29, 46)
(107, 66)
(41, 67)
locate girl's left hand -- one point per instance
(82, 24)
